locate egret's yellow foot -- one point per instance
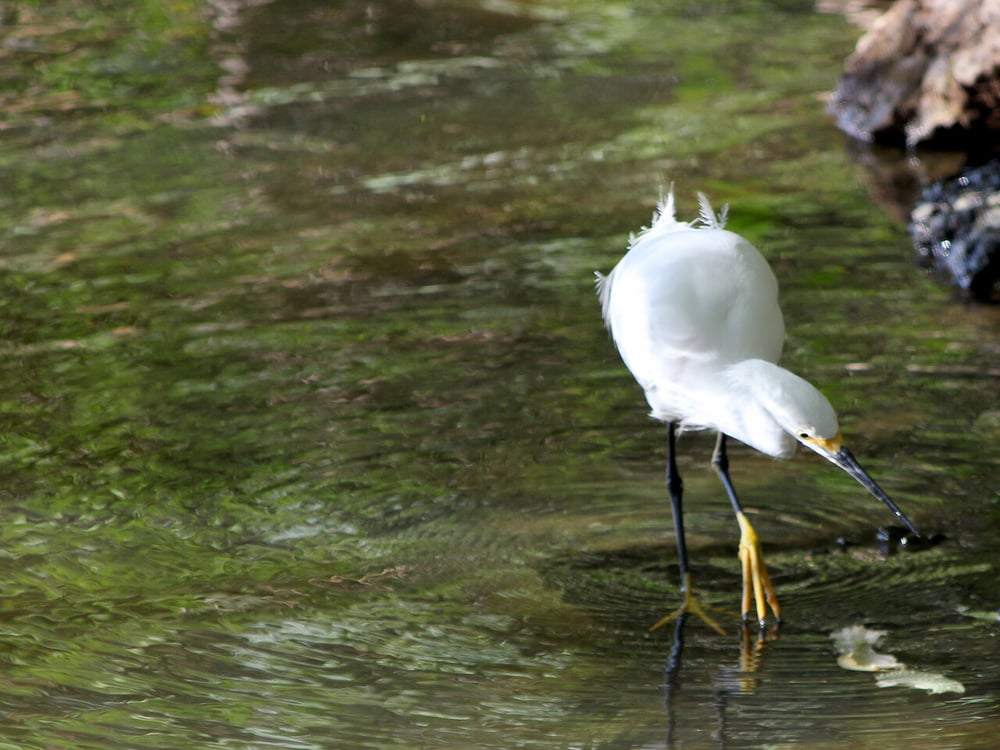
(692, 605)
(756, 583)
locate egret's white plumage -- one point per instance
(693, 309)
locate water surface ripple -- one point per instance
(313, 437)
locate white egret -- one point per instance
(693, 310)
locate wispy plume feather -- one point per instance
(708, 217)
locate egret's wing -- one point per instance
(663, 324)
(681, 306)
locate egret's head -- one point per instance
(802, 411)
(814, 440)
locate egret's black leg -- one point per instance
(756, 583)
(720, 460)
(675, 488)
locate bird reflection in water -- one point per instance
(742, 680)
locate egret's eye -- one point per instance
(804, 435)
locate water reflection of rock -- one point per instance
(956, 229)
(952, 211)
(230, 50)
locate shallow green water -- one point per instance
(313, 437)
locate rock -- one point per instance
(927, 70)
(956, 229)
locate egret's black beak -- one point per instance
(846, 461)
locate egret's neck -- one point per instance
(756, 391)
